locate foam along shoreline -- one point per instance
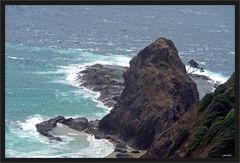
(74, 136)
(77, 144)
(214, 76)
(73, 75)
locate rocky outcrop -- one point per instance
(79, 124)
(157, 92)
(106, 79)
(45, 127)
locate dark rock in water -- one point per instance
(157, 92)
(203, 77)
(121, 150)
(120, 145)
(77, 123)
(123, 155)
(51, 137)
(92, 129)
(106, 79)
(108, 137)
(45, 127)
(135, 151)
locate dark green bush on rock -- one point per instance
(216, 129)
(220, 129)
(197, 138)
(204, 102)
(223, 148)
(181, 137)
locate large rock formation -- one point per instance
(157, 91)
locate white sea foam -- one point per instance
(26, 129)
(99, 148)
(216, 77)
(203, 63)
(72, 74)
(15, 58)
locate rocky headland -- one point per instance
(156, 108)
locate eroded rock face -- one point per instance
(157, 91)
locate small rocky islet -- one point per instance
(156, 108)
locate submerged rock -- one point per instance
(157, 91)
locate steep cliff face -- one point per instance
(157, 92)
(205, 130)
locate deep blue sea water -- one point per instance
(47, 45)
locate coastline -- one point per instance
(62, 129)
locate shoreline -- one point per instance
(127, 152)
(118, 147)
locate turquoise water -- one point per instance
(46, 46)
(41, 84)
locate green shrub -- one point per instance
(217, 109)
(197, 138)
(204, 102)
(221, 129)
(182, 135)
(222, 148)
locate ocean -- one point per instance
(46, 46)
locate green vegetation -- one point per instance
(201, 105)
(182, 135)
(217, 126)
(225, 147)
(197, 138)
(220, 129)
(162, 66)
